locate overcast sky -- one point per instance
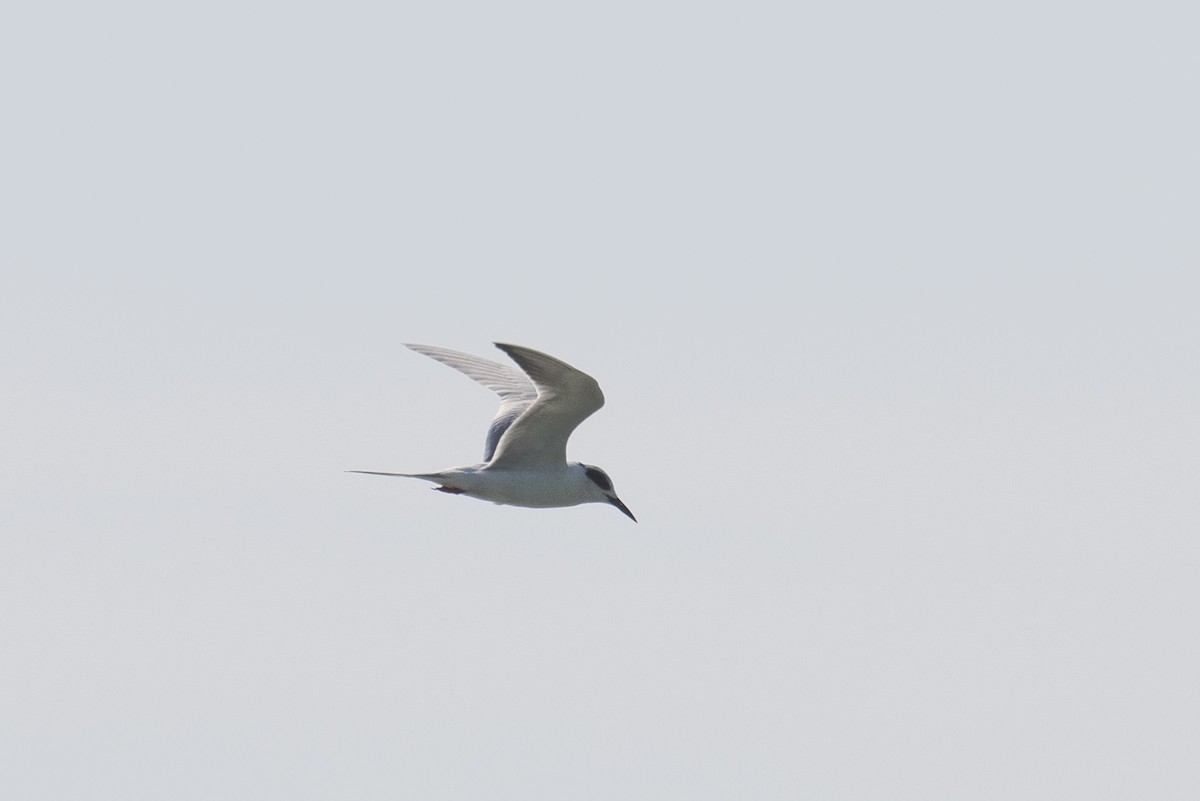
(894, 305)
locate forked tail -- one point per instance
(437, 478)
(423, 476)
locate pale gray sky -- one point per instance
(894, 306)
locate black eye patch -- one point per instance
(598, 478)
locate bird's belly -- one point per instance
(536, 490)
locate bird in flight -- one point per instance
(525, 455)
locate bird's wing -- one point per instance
(516, 391)
(565, 398)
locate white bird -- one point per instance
(525, 456)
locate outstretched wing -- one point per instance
(565, 398)
(517, 393)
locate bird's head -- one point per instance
(600, 489)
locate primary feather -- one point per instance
(539, 408)
(515, 389)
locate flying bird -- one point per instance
(525, 454)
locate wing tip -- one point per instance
(517, 352)
(514, 352)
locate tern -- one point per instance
(525, 454)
